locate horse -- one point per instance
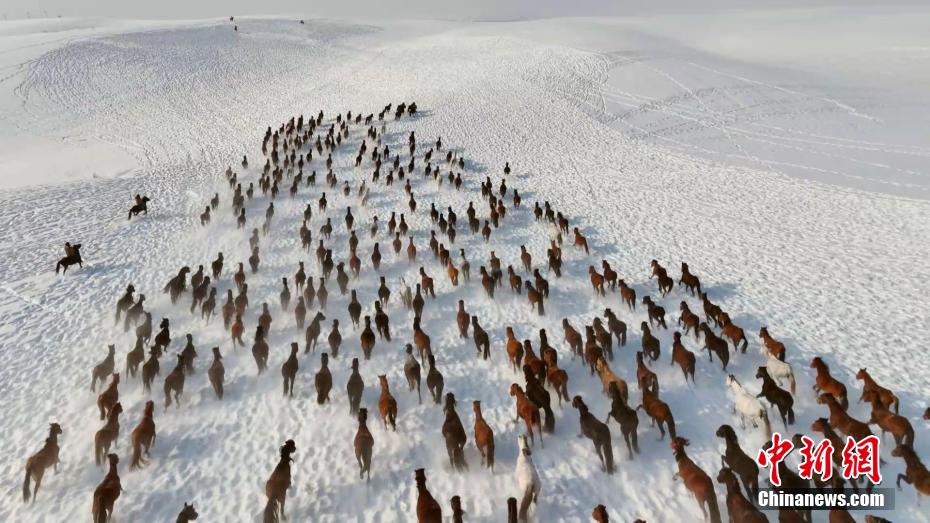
(412, 372)
(885, 396)
(739, 508)
(773, 346)
(645, 378)
(779, 370)
(107, 435)
(178, 284)
(174, 383)
(650, 343)
(103, 369)
(748, 406)
(572, 337)
(289, 371)
(217, 373)
(655, 313)
(428, 510)
(827, 383)
(598, 432)
(125, 301)
(695, 480)
(776, 396)
(484, 437)
(323, 380)
(278, 484)
(915, 473)
(387, 405)
(46, 457)
(898, 426)
(627, 295)
(434, 379)
(626, 417)
(736, 334)
(714, 344)
(458, 515)
(454, 434)
(842, 421)
(70, 259)
(364, 443)
(616, 326)
(141, 206)
(683, 357)
(481, 339)
(143, 436)
(556, 377)
(734, 457)
(187, 514)
(538, 394)
(527, 410)
(355, 387)
(659, 412)
(109, 397)
(527, 477)
(107, 492)
(690, 281)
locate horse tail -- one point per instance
(895, 401)
(490, 452)
(908, 438)
(540, 307)
(167, 395)
(713, 509)
(550, 419)
(26, 483)
(98, 451)
(768, 425)
(670, 424)
(57, 266)
(270, 514)
(98, 511)
(791, 415)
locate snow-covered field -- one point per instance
(783, 155)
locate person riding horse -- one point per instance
(72, 256)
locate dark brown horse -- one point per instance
(696, 480)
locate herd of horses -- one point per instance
(306, 144)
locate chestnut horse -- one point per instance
(107, 492)
(387, 405)
(46, 457)
(916, 473)
(278, 484)
(527, 410)
(885, 396)
(428, 510)
(696, 480)
(143, 436)
(827, 383)
(484, 437)
(364, 442)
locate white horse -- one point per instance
(779, 370)
(406, 295)
(527, 477)
(748, 406)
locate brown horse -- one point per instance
(572, 338)
(888, 421)
(655, 312)
(597, 281)
(580, 241)
(658, 412)
(109, 397)
(289, 371)
(598, 432)
(434, 379)
(556, 377)
(454, 433)
(107, 492)
(514, 350)
(683, 357)
(775, 347)
(278, 484)
(107, 435)
(217, 373)
(696, 480)
(689, 319)
(527, 410)
(355, 387)
(616, 326)
(735, 334)
(645, 378)
(739, 508)
(481, 339)
(174, 382)
(650, 343)
(915, 474)
(323, 380)
(387, 405)
(827, 383)
(364, 443)
(103, 369)
(690, 281)
(411, 372)
(143, 437)
(738, 461)
(484, 437)
(626, 417)
(627, 295)
(187, 514)
(46, 457)
(842, 421)
(428, 510)
(885, 396)
(822, 425)
(599, 514)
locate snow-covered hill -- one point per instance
(800, 199)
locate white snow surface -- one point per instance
(782, 154)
